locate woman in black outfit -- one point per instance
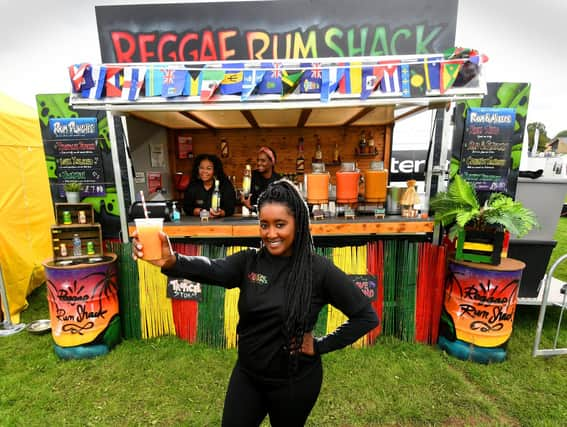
(283, 287)
(199, 193)
(264, 174)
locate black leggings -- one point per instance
(248, 400)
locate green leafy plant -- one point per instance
(73, 186)
(459, 208)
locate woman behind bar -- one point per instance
(199, 193)
(283, 287)
(264, 174)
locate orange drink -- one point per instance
(148, 235)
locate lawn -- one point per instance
(165, 381)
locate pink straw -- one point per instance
(144, 203)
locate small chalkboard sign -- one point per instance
(184, 289)
(367, 284)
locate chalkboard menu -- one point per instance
(78, 158)
(486, 149)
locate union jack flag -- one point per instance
(168, 77)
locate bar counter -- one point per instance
(240, 227)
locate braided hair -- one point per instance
(300, 279)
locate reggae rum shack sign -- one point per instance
(288, 29)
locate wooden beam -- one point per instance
(196, 119)
(411, 112)
(250, 117)
(304, 116)
(359, 115)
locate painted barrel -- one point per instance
(347, 186)
(317, 188)
(478, 309)
(83, 305)
(375, 185)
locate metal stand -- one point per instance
(537, 351)
(7, 327)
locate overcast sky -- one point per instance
(523, 39)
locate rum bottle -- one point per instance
(216, 199)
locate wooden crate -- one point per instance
(74, 209)
(64, 234)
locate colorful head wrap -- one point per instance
(268, 152)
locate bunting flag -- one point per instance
(449, 73)
(153, 80)
(371, 77)
(133, 82)
(209, 83)
(417, 81)
(312, 77)
(391, 82)
(98, 77)
(78, 78)
(192, 84)
(114, 79)
(233, 78)
(405, 80)
(250, 79)
(330, 77)
(173, 82)
(272, 80)
(290, 80)
(432, 73)
(352, 78)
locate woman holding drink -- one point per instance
(199, 194)
(283, 287)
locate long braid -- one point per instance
(300, 279)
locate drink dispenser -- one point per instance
(347, 183)
(318, 185)
(376, 183)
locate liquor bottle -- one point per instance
(371, 145)
(77, 251)
(336, 154)
(300, 161)
(362, 143)
(318, 152)
(247, 181)
(215, 200)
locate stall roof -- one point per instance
(379, 107)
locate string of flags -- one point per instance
(428, 75)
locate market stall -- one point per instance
(327, 116)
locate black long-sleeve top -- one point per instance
(262, 278)
(196, 196)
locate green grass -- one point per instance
(166, 381)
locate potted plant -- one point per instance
(73, 191)
(480, 229)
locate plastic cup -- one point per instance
(148, 235)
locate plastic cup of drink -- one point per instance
(148, 235)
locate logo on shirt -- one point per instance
(258, 279)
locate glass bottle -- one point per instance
(300, 161)
(362, 143)
(247, 181)
(175, 214)
(77, 251)
(371, 145)
(336, 154)
(216, 199)
(318, 152)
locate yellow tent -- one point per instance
(26, 209)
